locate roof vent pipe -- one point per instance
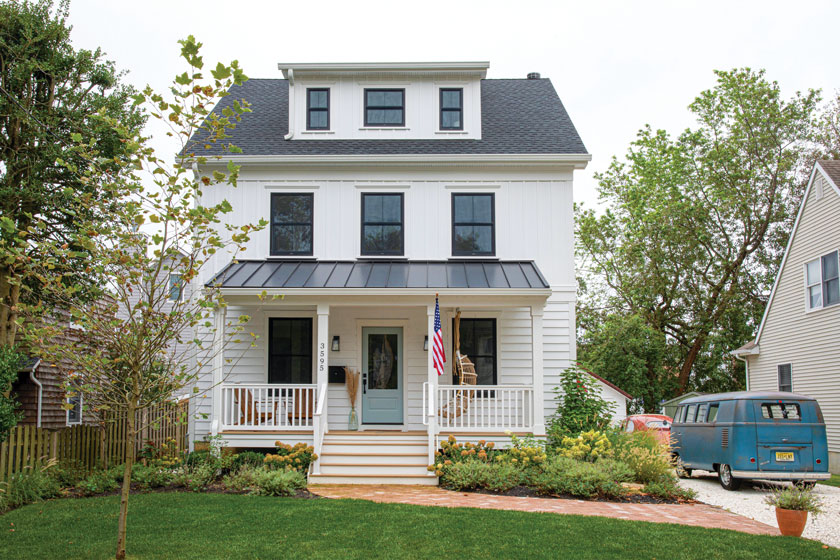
(533, 75)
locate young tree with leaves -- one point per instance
(126, 360)
(695, 225)
(48, 92)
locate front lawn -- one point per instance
(190, 525)
(833, 481)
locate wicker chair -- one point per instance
(459, 404)
(250, 410)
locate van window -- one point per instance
(689, 416)
(701, 412)
(780, 411)
(713, 410)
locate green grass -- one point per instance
(185, 525)
(833, 481)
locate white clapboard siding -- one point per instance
(809, 341)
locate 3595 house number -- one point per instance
(322, 356)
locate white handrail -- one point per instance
(425, 398)
(319, 427)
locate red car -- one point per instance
(658, 423)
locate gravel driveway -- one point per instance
(749, 501)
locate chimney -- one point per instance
(533, 75)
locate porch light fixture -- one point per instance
(336, 343)
(426, 343)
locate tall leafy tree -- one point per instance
(126, 360)
(695, 225)
(49, 92)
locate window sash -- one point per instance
(176, 287)
(310, 109)
(822, 281)
(278, 358)
(474, 357)
(459, 110)
(459, 227)
(785, 377)
(278, 226)
(369, 107)
(74, 415)
(367, 247)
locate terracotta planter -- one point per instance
(791, 522)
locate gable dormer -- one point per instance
(411, 100)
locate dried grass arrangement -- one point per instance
(351, 382)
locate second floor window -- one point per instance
(317, 109)
(822, 281)
(291, 224)
(451, 109)
(382, 224)
(384, 107)
(473, 229)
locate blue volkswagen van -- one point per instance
(751, 435)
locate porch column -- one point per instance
(537, 365)
(219, 319)
(432, 406)
(319, 418)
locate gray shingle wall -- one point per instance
(518, 117)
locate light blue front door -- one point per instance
(382, 368)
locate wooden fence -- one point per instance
(88, 446)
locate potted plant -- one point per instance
(792, 505)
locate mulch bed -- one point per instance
(635, 498)
(212, 489)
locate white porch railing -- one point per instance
(268, 406)
(485, 407)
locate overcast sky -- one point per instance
(616, 65)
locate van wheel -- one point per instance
(805, 484)
(728, 481)
(682, 470)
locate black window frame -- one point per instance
(271, 225)
(789, 374)
(272, 321)
(309, 109)
(492, 224)
(472, 357)
(363, 223)
(459, 110)
(384, 107)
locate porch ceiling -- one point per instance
(472, 274)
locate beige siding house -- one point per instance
(797, 347)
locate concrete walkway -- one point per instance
(698, 515)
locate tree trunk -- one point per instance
(9, 298)
(691, 357)
(130, 436)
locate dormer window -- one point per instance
(452, 109)
(384, 107)
(317, 109)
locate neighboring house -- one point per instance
(669, 407)
(797, 347)
(384, 185)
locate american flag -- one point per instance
(438, 355)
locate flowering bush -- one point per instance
(452, 452)
(471, 475)
(563, 475)
(525, 452)
(164, 455)
(295, 457)
(587, 446)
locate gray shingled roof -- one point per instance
(518, 117)
(832, 169)
(380, 274)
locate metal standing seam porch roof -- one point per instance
(380, 274)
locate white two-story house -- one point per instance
(384, 185)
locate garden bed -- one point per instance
(631, 498)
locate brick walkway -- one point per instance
(699, 515)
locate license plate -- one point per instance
(784, 456)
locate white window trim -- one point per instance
(821, 306)
(81, 411)
(778, 376)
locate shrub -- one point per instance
(251, 458)
(587, 446)
(101, 481)
(472, 475)
(67, 474)
(279, 483)
(298, 457)
(453, 452)
(164, 455)
(667, 488)
(193, 458)
(151, 476)
(580, 406)
(10, 362)
(242, 478)
(650, 460)
(198, 476)
(562, 475)
(28, 486)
